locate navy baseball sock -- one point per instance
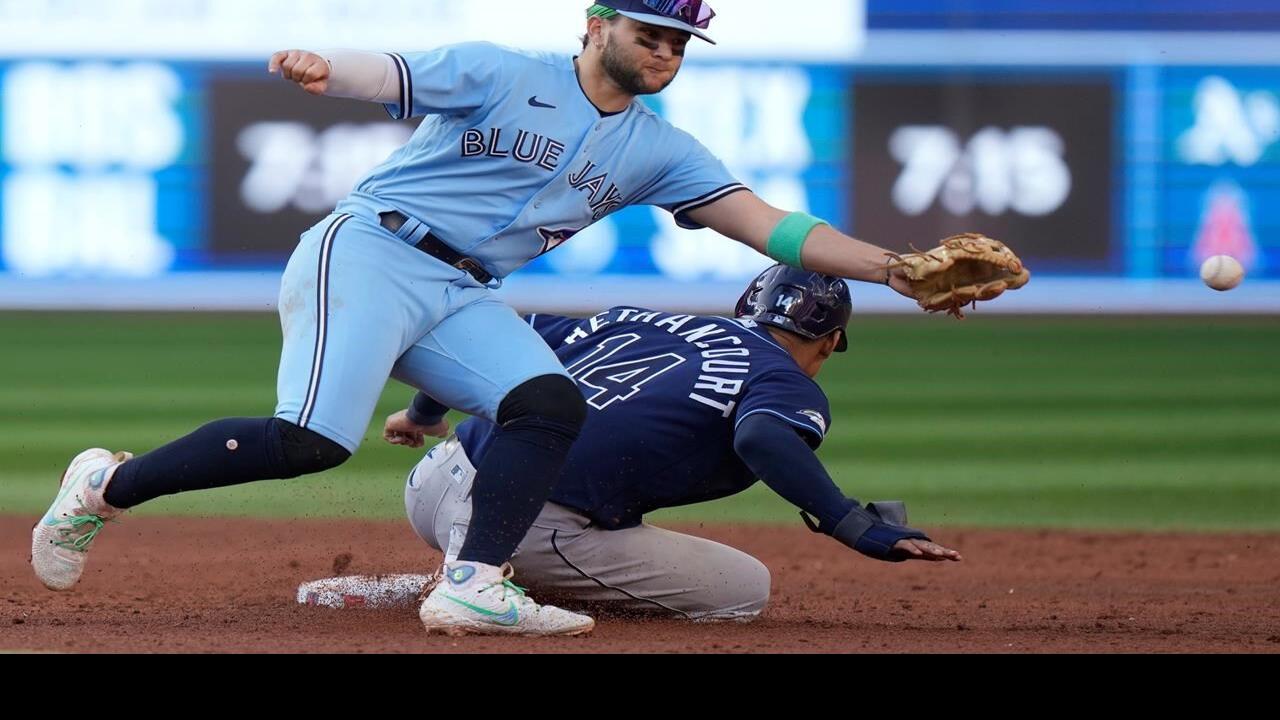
(540, 420)
(513, 482)
(222, 454)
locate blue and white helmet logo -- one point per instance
(787, 301)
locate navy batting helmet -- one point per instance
(809, 304)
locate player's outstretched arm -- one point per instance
(774, 451)
(340, 73)
(746, 218)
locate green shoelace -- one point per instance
(508, 585)
(82, 542)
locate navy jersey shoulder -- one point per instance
(665, 394)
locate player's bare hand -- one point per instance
(898, 281)
(925, 550)
(304, 68)
(400, 430)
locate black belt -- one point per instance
(436, 248)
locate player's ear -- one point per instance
(595, 32)
(830, 343)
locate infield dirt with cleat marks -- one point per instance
(219, 585)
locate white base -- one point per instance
(367, 592)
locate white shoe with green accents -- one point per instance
(478, 599)
(60, 542)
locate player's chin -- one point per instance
(656, 82)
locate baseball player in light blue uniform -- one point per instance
(519, 152)
(514, 159)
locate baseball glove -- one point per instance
(961, 271)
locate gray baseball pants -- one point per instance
(566, 558)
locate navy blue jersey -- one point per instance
(665, 393)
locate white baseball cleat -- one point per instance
(61, 540)
(478, 599)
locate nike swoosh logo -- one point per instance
(534, 102)
(510, 618)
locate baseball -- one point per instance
(1222, 273)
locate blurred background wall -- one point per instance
(148, 161)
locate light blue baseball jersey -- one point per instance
(514, 159)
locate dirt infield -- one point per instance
(228, 586)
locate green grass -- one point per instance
(1048, 422)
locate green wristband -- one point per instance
(787, 241)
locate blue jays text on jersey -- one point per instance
(603, 196)
(665, 393)
(515, 160)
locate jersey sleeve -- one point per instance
(779, 456)
(791, 397)
(452, 80)
(693, 178)
(553, 328)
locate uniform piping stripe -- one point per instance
(709, 198)
(556, 546)
(322, 320)
(406, 87)
(807, 426)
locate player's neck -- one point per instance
(602, 91)
(803, 353)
